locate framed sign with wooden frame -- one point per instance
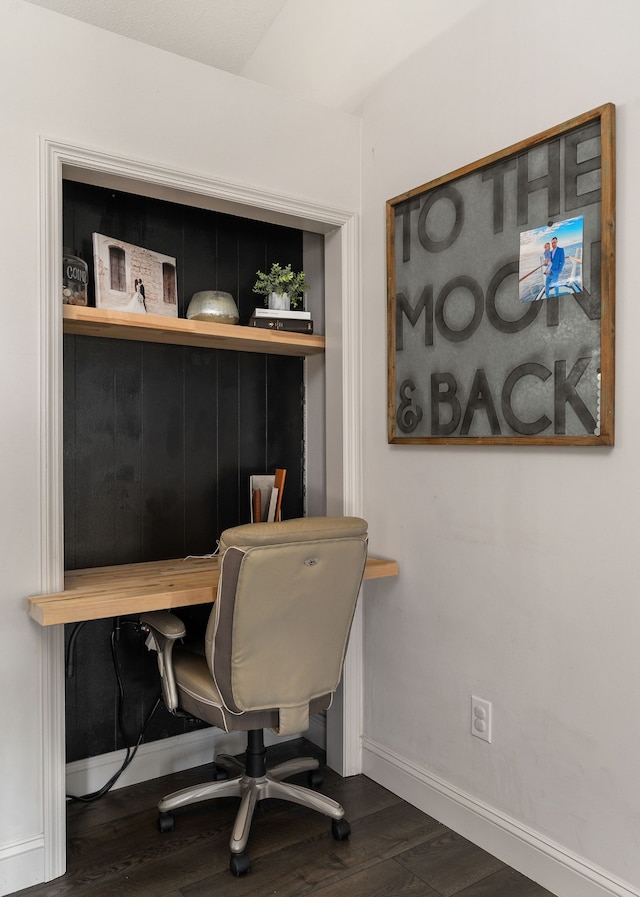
(501, 283)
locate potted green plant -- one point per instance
(282, 288)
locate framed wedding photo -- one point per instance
(501, 294)
(134, 279)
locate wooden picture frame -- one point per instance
(491, 339)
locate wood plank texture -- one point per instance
(100, 592)
(161, 435)
(182, 332)
(114, 847)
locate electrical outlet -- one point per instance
(481, 718)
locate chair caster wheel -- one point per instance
(315, 778)
(239, 864)
(166, 822)
(340, 829)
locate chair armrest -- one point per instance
(164, 629)
(164, 622)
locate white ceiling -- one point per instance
(221, 33)
(335, 51)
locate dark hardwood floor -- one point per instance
(115, 849)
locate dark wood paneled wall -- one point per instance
(159, 441)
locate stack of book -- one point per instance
(266, 496)
(274, 319)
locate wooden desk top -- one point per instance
(101, 592)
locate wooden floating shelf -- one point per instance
(102, 592)
(182, 332)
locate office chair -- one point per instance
(273, 654)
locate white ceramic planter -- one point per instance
(279, 301)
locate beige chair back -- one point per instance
(286, 600)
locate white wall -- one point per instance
(337, 49)
(79, 85)
(518, 566)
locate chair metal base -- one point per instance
(251, 790)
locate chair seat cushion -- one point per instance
(199, 696)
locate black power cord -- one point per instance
(130, 751)
(71, 649)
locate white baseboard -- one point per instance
(160, 758)
(539, 858)
(21, 864)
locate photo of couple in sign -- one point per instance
(551, 261)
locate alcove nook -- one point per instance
(336, 374)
